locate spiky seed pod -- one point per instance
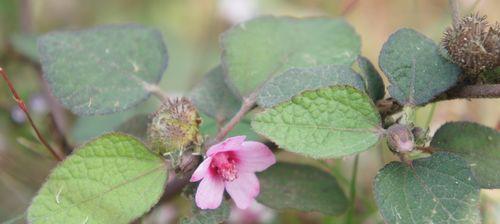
(174, 128)
(493, 41)
(473, 44)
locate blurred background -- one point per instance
(191, 30)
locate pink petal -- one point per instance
(230, 144)
(209, 193)
(243, 189)
(254, 157)
(202, 170)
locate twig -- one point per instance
(427, 149)
(23, 107)
(475, 91)
(455, 12)
(156, 91)
(247, 105)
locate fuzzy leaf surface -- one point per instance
(104, 69)
(477, 144)
(416, 70)
(301, 187)
(329, 122)
(112, 179)
(437, 189)
(251, 55)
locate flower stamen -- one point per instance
(225, 166)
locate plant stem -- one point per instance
(156, 91)
(475, 91)
(455, 12)
(23, 107)
(430, 115)
(352, 204)
(247, 105)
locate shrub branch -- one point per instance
(475, 91)
(23, 107)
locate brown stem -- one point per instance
(23, 107)
(475, 91)
(427, 149)
(247, 105)
(455, 12)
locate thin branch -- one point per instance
(474, 91)
(455, 12)
(247, 105)
(23, 107)
(156, 91)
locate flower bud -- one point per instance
(174, 128)
(400, 138)
(473, 44)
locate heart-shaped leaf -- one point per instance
(102, 70)
(477, 144)
(112, 179)
(252, 55)
(328, 122)
(415, 68)
(437, 189)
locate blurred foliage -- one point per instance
(191, 29)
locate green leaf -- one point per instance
(437, 189)
(102, 70)
(373, 82)
(283, 87)
(209, 127)
(213, 97)
(415, 68)
(215, 216)
(301, 187)
(89, 127)
(86, 128)
(477, 144)
(329, 122)
(251, 55)
(136, 126)
(25, 44)
(112, 179)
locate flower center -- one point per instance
(225, 166)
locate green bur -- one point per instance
(174, 129)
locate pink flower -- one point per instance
(231, 165)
